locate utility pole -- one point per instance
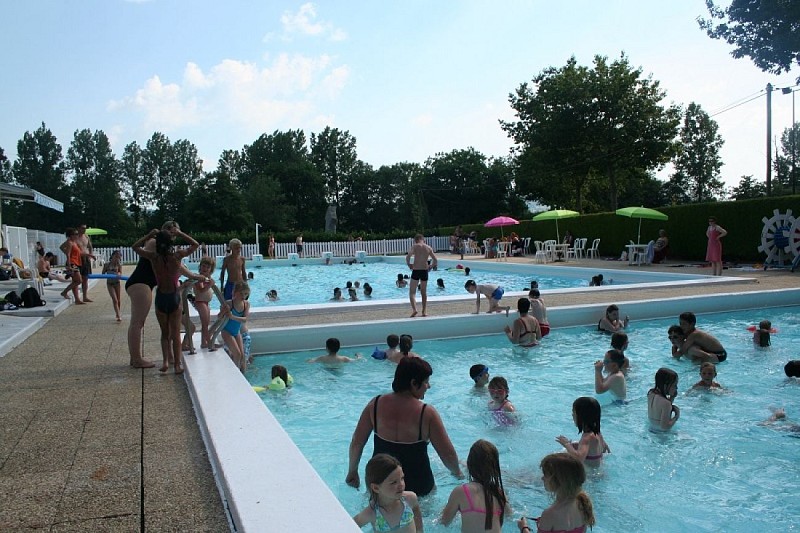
(769, 139)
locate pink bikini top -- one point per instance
(471, 508)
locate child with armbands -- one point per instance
(391, 353)
(762, 334)
(281, 380)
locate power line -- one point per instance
(734, 105)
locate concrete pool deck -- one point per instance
(87, 443)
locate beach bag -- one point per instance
(30, 298)
(13, 298)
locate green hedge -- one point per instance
(686, 228)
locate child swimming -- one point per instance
(479, 374)
(660, 410)
(761, 336)
(708, 371)
(499, 405)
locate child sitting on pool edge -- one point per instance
(332, 345)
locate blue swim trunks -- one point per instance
(498, 293)
(228, 291)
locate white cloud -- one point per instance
(305, 22)
(248, 96)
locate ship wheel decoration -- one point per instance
(793, 239)
(774, 235)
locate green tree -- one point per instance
(135, 191)
(749, 188)
(786, 162)
(39, 165)
(698, 162)
(284, 156)
(766, 31)
(94, 175)
(215, 204)
(155, 169)
(5, 167)
(185, 170)
(576, 125)
(334, 155)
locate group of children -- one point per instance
(352, 289)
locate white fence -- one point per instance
(21, 242)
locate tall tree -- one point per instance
(185, 170)
(749, 188)
(576, 124)
(766, 31)
(284, 156)
(334, 155)
(135, 191)
(5, 167)
(39, 165)
(216, 204)
(698, 162)
(155, 170)
(787, 161)
(94, 175)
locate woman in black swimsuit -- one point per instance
(403, 426)
(139, 288)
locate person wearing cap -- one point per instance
(479, 374)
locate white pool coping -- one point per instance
(265, 480)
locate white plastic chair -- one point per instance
(593, 252)
(502, 251)
(549, 249)
(580, 248)
(573, 252)
(541, 255)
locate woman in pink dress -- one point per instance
(714, 250)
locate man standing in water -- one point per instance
(419, 272)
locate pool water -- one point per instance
(718, 470)
(314, 284)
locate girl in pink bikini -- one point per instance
(482, 502)
(563, 476)
(590, 449)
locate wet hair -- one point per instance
(235, 242)
(367, 289)
(378, 469)
(476, 371)
(618, 340)
(466, 271)
(587, 414)
(410, 370)
(210, 261)
(279, 371)
(792, 369)
(352, 292)
(616, 357)
(611, 308)
(764, 337)
(689, 317)
(392, 340)
(336, 291)
(534, 293)
(333, 345)
(250, 275)
(665, 378)
(483, 464)
(676, 329)
(399, 277)
(706, 365)
(470, 283)
(523, 306)
(440, 283)
(499, 382)
(567, 476)
(164, 243)
(349, 285)
(406, 343)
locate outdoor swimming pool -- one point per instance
(719, 470)
(312, 282)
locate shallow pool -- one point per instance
(719, 470)
(310, 282)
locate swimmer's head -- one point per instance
(586, 414)
(708, 371)
(367, 289)
(440, 283)
(333, 345)
(470, 286)
(765, 325)
(279, 371)
(250, 275)
(523, 305)
(619, 340)
(207, 263)
(400, 277)
(614, 357)
(392, 340)
(534, 293)
(792, 369)
(478, 373)
(406, 343)
(466, 271)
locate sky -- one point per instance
(408, 79)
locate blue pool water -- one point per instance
(314, 284)
(719, 470)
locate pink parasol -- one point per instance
(500, 222)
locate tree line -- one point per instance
(588, 138)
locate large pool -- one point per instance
(310, 281)
(718, 470)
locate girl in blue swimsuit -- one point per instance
(237, 311)
(391, 507)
